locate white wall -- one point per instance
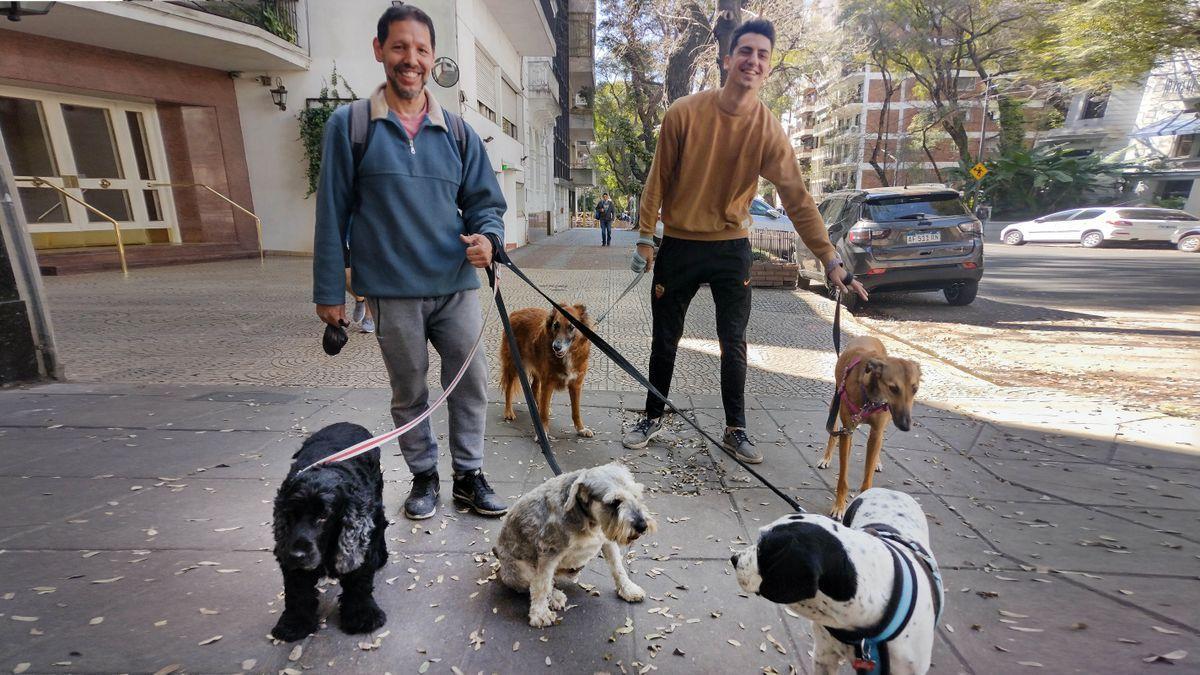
(342, 32)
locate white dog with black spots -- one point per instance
(840, 577)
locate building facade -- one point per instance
(128, 106)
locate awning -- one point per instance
(1179, 124)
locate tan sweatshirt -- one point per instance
(706, 168)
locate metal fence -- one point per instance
(776, 244)
(277, 17)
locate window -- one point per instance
(758, 207)
(1054, 217)
(1088, 214)
(910, 208)
(1184, 145)
(1094, 106)
(1155, 214)
(511, 113)
(485, 84)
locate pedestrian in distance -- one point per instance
(606, 213)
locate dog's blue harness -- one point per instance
(870, 644)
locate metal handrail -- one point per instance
(257, 220)
(40, 182)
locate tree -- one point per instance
(935, 41)
(622, 159)
(1046, 178)
(1088, 44)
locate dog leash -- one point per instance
(371, 443)
(624, 364)
(620, 297)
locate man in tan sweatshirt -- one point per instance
(712, 148)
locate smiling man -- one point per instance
(418, 208)
(712, 148)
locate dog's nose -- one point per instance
(640, 525)
(733, 560)
(903, 423)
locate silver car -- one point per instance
(1095, 226)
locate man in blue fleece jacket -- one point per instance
(418, 218)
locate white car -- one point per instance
(1091, 227)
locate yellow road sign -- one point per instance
(979, 171)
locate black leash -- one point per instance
(502, 258)
(835, 403)
(515, 350)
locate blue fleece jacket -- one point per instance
(414, 200)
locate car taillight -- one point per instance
(1119, 223)
(969, 265)
(876, 270)
(974, 227)
(864, 235)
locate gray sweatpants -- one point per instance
(450, 323)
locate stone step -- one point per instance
(93, 259)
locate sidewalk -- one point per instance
(137, 519)
(137, 527)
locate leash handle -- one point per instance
(633, 372)
(515, 351)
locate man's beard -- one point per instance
(400, 91)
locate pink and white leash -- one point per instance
(359, 448)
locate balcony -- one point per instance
(542, 91)
(183, 33)
(524, 24)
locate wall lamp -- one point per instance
(279, 94)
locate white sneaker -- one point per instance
(360, 311)
(367, 325)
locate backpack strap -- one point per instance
(458, 129)
(360, 129)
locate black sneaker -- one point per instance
(472, 489)
(735, 439)
(422, 500)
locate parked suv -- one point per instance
(915, 238)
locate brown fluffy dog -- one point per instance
(555, 356)
(869, 378)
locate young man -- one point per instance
(412, 254)
(712, 148)
(606, 213)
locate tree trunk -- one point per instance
(729, 17)
(681, 64)
(889, 89)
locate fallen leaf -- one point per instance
(206, 611)
(516, 646)
(96, 621)
(210, 640)
(1031, 664)
(21, 667)
(1013, 615)
(166, 670)
(249, 664)
(24, 618)
(735, 643)
(107, 581)
(1166, 631)
(295, 653)
(1026, 630)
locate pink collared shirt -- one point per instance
(412, 123)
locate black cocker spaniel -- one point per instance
(329, 522)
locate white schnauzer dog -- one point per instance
(556, 528)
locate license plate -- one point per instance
(923, 237)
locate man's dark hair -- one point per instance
(760, 26)
(410, 13)
(604, 195)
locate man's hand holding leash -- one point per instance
(643, 255)
(842, 279)
(479, 250)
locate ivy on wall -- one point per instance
(312, 124)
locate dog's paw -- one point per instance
(558, 600)
(879, 466)
(837, 512)
(585, 433)
(823, 464)
(290, 628)
(362, 618)
(540, 617)
(510, 415)
(631, 592)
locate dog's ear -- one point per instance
(282, 523)
(789, 572)
(355, 538)
(577, 494)
(874, 367)
(582, 311)
(797, 559)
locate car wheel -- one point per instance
(962, 294)
(1014, 238)
(1091, 239)
(1189, 244)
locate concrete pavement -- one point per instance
(136, 524)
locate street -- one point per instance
(1118, 321)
